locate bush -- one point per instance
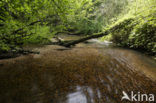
(4, 47)
(41, 35)
(144, 37)
(138, 30)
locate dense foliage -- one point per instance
(29, 21)
(137, 28)
(36, 21)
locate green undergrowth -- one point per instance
(136, 30)
(41, 35)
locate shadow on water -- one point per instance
(84, 74)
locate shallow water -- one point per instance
(88, 73)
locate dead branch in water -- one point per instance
(71, 43)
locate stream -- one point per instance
(92, 72)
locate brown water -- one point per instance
(87, 73)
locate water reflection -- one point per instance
(84, 94)
(77, 97)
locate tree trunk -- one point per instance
(97, 35)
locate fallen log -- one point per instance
(97, 35)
